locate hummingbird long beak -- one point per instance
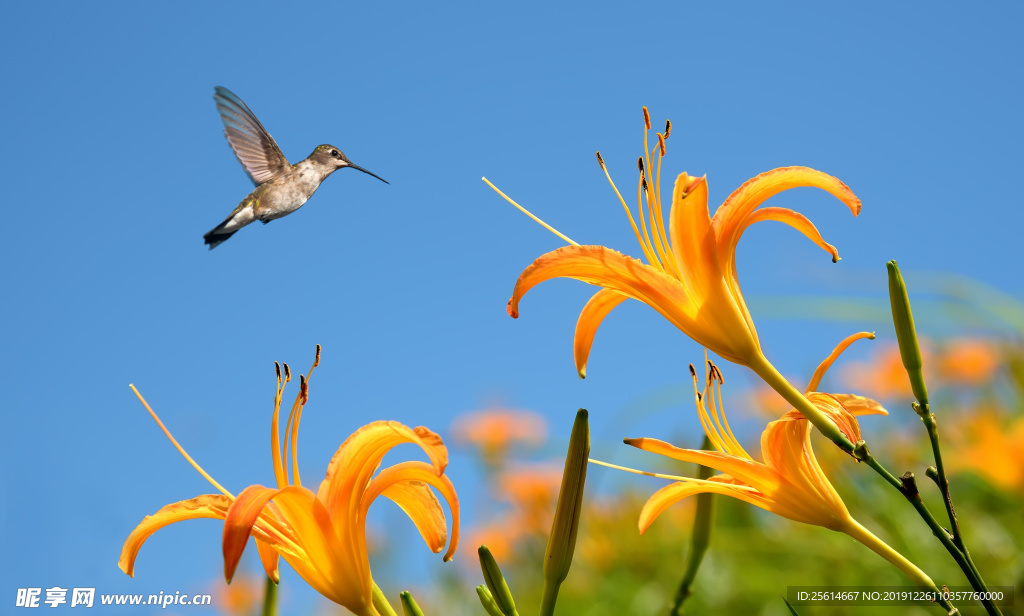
(355, 166)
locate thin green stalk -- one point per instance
(547, 604)
(910, 354)
(380, 602)
(907, 486)
(269, 599)
(699, 539)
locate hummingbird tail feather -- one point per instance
(218, 235)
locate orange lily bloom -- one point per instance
(789, 482)
(322, 534)
(690, 274)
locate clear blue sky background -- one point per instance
(116, 165)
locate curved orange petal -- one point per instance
(408, 485)
(753, 474)
(205, 506)
(593, 313)
(329, 564)
(731, 218)
(692, 237)
(786, 447)
(360, 456)
(796, 220)
(269, 558)
(675, 492)
(715, 322)
(823, 367)
(860, 405)
(239, 522)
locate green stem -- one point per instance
(380, 602)
(547, 605)
(700, 538)
(854, 529)
(764, 369)
(939, 477)
(907, 486)
(269, 599)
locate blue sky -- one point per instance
(117, 165)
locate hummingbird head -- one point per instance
(334, 159)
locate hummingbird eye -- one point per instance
(334, 153)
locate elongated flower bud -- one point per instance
(562, 540)
(409, 606)
(903, 319)
(496, 582)
(487, 601)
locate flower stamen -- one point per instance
(180, 449)
(733, 486)
(648, 252)
(527, 212)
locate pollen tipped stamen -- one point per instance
(528, 213)
(648, 251)
(293, 421)
(668, 128)
(705, 423)
(649, 248)
(647, 119)
(275, 435)
(734, 445)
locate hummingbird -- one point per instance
(281, 188)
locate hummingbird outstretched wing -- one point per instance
(252, 144)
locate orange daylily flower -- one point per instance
(992, 447)
(494, 431)
(320, 534)
(969, 362)
(789, 482)
(690, 274)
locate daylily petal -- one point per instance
(786, 447)
(753, 474)
(731, 218)
(713, 323)
(269, 558)
(594, 312)
(692, 237)
(408, 485)
(675, 492)
(796, 220)
(238, 524)
(860, 405)
(205, 506)
(359, 457)
(331, 564)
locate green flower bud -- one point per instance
(409, 605)
(487, 601)
(903, 319)
(562, 540)
(496, 582)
